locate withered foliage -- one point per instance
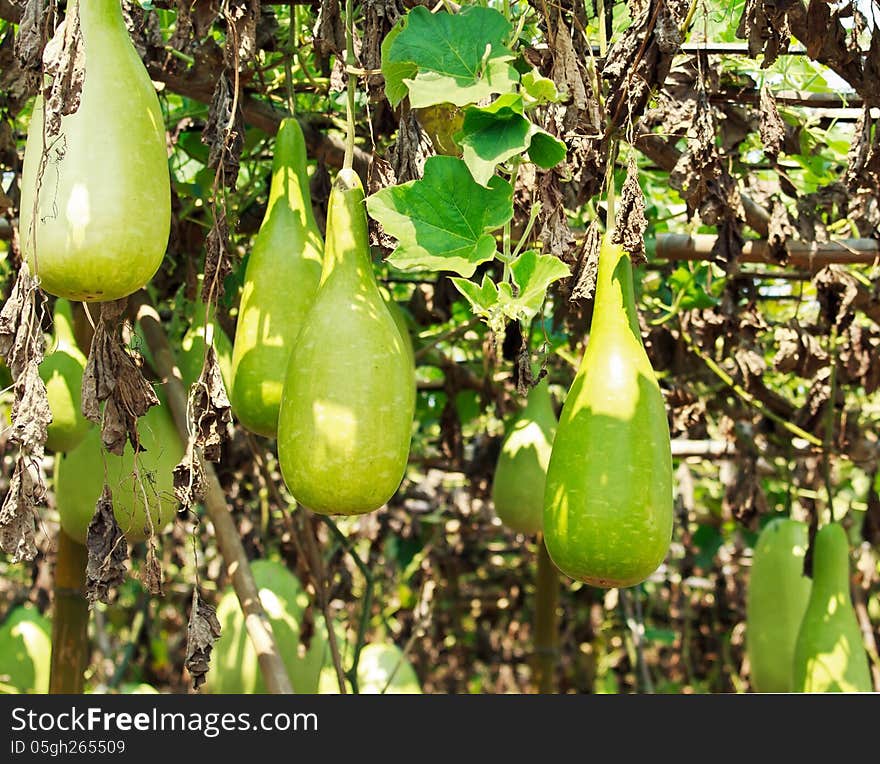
(218, 259)
(64, 61)
(798, 352)
(411, 148)
(224, 130)
(189, 478)
(630, 222)
(210, 407)
(108, 552)
(764, 23)
(583, 278)
(771, 127)
(113, 376)
(33, 33)
(18, 515)
(836, 289)
(202, 631)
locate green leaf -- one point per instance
(544, 149)
(492, 135)
(395, 72)
(540, 89)
(484, 300)
(444, 221)
(456, 58)
(532, 274)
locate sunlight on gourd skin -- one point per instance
(608, 504)
(829, 653)
(349, 396)
(280, 287)
(105, 203)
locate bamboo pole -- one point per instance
(257, 623)
(546, 620)
(70, 619)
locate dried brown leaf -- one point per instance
(765, 25)
(151, 572)
(18, 515)
(108, 551)
(770, 126)
(779, 231)
(33, 27)
(64, 61)
(241, 24)
(189, 479)
(799, 352)
(210, 407)
(113, 376)
(410, 149)
(218, 260)
(224, 131)
(31, 414)
(744, 498)
(630, 222)
(836, 289)
(202, 631)
(584, 276)
(21, 338)
(859, 357)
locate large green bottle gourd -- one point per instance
(104, 209)
(608, 503)
(776, 602)
(829, 654)
(235, 667)
(280, 285)
(521, 472)
(79, 478)
(25, 652)
(62, 371)
(349, 396)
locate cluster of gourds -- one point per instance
(803, 635)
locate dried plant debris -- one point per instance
(64, 61)
(630, 222)
(218, 259)
(21, 338)
(871, 526)
(202, 631)
(241, 24)
(329, 31)
(32, 35)
(779, 231)
(836, 289)
(858, 356)
(764, 23)
(224, 131)
(554, 232)
(771, 127)
(31, 414)
(581, 112)
(189, 478)
(151, 572)
(411, 148)
(210, 407)
(108, 551)
(799, 352)
(18, 515)
(686, 410)
(584, 276)
(113, 376)
(744, 497)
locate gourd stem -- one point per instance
(288, 70)
(546, 625)
(348, 160)
(70, 619)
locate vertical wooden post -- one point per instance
(70, 619)
(546, 621)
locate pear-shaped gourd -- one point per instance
(103, 211)
(234, 666)
(608, 503)
(280, 285)
(62, 371)
(349, 396)
(521, 473)
(25, 652)
(383, 669)
(776, 602)
(79, 478)
(829, 653)
(192, 347)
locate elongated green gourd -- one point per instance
(776, 602)
(349, 396)
(235, 667)
(829, 654)
(382, 669)
(25, 652)
(62, 371)
(521, 473)
(104, 208)
(280, 285)
(608, 503)
(79, 478)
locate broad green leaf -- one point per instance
(492, 135)
(544, 149)
(539, 88)
(395, 71)
(441, 57)
(484, 300)
(443, 221)
(532, 274)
